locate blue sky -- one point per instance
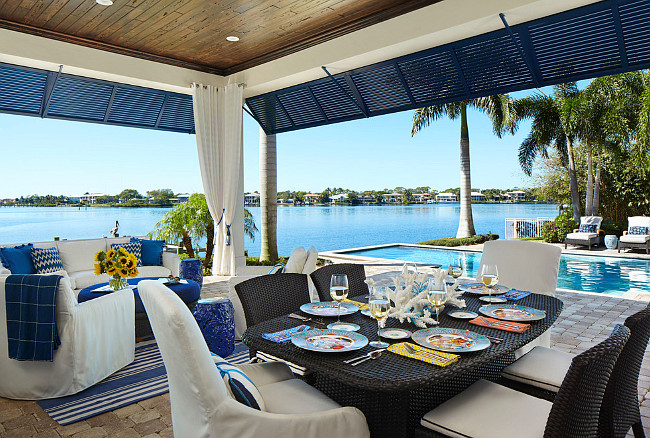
(46, 156)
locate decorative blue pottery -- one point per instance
(192, 269)
(216, 319)
(611, 241)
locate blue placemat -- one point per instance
(515, 294)
(285, 335)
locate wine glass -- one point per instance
(455, 265)
(339, 290)
(489, 277)
(379, 304)
(437, 295)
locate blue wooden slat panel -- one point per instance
(380, 88)
(133, 106)
(78, 98)
(269, 112)
(301, 106)
(432, 78)
(21, 91)
(635, 22)
(336, 103)
(178, 114)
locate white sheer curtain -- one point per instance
(218, 123)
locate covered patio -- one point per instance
(168, 66)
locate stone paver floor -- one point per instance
(586, 320)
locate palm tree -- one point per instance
(497, 108)
(557, 122)
(268, 196)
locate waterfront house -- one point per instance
(341, 198)
(90, 198)
(311, 198)
(516, 195)
(393, 198)
(366, 199)
(446, 197)
(477, 196)
(421, 198)
(252, 199)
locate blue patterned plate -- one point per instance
(481, 289)
(328, 308)
(450, 340)
(329, 341)
(512, 312)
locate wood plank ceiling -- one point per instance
(192, 33)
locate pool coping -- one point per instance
(340, 254)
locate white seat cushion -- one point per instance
(84, 279)
(634, 238)
(153, 271)
(294, 396)
(296, 261)
(541, 367)
(581, 236)
(489, 410)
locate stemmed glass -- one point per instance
(339, 290)
(379, 304)
(489, 277)
(455, 265)
(437, 295)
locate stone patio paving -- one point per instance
(586, 320)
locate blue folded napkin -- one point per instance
(515, 294)
(285, 335)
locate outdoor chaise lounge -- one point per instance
(202, 404)
(637, 234)
(589, 233)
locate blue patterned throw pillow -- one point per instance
(46, 260)
(241, 387)
(638, 230)
(134, 248)
(588, 228)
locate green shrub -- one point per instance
(615, 228)
(255, 261)
(463, 241)
(556, 231)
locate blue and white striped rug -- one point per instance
(144, 378)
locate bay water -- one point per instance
(325, 227)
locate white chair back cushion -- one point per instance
(195, 387)
(296, 261)
(79, 255)
(310, 266)
(638, 221)
(591, 220)
(524, 265)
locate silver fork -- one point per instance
(430, 355)
(304, 318)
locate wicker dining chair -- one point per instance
(498, 411)
(269, 296)
(356, 279)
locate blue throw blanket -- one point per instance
(31, 316)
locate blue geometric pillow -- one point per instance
(588, 228)
(638, 230)
(18, 259)
(46, 260)
(134, 248)
(152, 251)
(241, 387)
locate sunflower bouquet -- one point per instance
(119, 264)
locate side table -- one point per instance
(216, 319)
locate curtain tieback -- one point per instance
(228, 234)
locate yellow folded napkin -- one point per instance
(430, 356)
(361, 306)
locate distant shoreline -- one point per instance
(78, 206)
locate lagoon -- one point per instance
(327, 228)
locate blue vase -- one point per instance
(192, 269)
(611, 241)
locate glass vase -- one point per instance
(116, 283)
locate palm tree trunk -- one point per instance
(590, 183)
(573, 181)
(268, 196)
(594, 209)
(209, 247)
(187, 243)
(466, 222)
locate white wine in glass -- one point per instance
(379, 305)
(339, 290)
(489, 277)
(437, 298)
(455, 265)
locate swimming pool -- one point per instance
(605, 275)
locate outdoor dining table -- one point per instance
(394, 391)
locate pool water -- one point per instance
(606, 275)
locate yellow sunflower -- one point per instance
(122, 260)
(110, 264)
(111, 254)
(111, 271)
(129, 263)
(133, 272)
(98, 269)
(101, 255)
(124, 272)
(122, 251)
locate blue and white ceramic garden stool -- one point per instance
(216, 319)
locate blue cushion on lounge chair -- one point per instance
(18, 259)
(639, 231)
(588, 228)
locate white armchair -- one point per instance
(96, 340)
(523, 265)
(201, 405)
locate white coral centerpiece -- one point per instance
(409, 301)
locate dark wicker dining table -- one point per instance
(394, 391)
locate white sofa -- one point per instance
(96, 340)
(78, 258)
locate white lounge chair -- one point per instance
(637, 234)
(203, 407)
(588, 234)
